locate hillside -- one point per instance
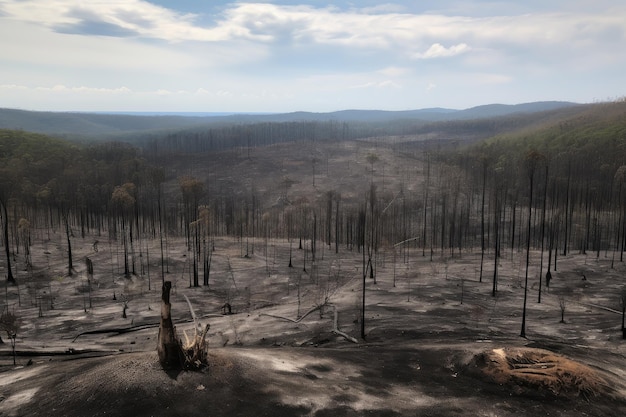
(431, 329)
(383, 275)
(99, 125)
(89, 124)
(588, 146)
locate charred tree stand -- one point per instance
(169, 349)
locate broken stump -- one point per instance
(169, 349)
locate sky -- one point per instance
(307, 55)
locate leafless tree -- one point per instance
(532, 160)
(5, 227)
(622, 303)
(9, 324)
(562, 305)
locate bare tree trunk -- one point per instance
(426, 186)
(10, 277)
(196, 250)
(496, 226)
(482, 224)
(336, 224)
(362, 215)
(125, 241)
(70, 266)
(532, 160)
(161, 237)
(567, 211)
(208, 257)
(623, 305)
(543, 232)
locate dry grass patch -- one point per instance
(541, 371)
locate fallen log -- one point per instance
(335, 320)
(336, 328)
(117, 330)
(298, 320)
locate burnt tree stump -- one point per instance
(169, 349)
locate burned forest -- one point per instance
(317, 267)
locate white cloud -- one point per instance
(489, 78)
(255, 56)
(134, 16)
(389, 84)
(60, 88)
(377, 84)
(12, 87)
(266, 22)
(437, 50)
(383, 9)
(37, 46)
(384, 26)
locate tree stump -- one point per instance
(169, 349)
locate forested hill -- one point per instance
(105, 125)
(89, 124)
(409, 132)
(36, 169)
(585, 154)
(595, 136)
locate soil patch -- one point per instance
(542, 372)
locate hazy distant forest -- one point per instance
(482, 180)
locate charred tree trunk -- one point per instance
(623, 319)
(482, 224)
(567, 209)
(623, 305)
(5, 217)
(543, 232)
(533, 158)
(196, 250)
(362, 224)
(337, 225)
(70, 266)
(208, 257)
(125, 241)
(496, 255)
(169, 349)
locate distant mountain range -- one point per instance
(105, 124)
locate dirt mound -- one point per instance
(539, 371)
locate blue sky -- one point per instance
(280, 56)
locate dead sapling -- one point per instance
(622, 303)
(562, 305)
(125, 300)
(9, 323)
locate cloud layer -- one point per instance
(280, 57)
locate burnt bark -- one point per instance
(5, 218)
(169, 349)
